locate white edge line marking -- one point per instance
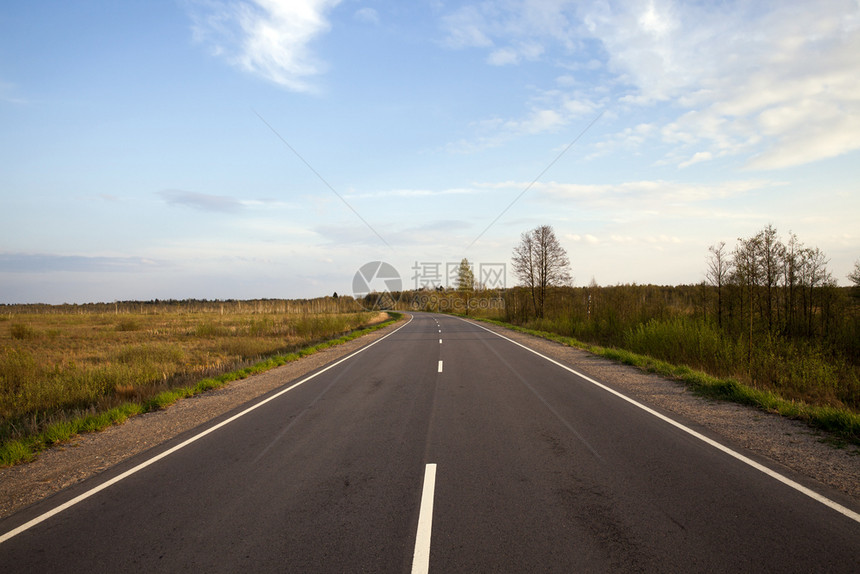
(746, 460)
(440, 367)
(421, 555)
(156, 458)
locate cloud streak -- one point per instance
(651, 190)
(46, 262)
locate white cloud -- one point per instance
(508, 55)
(699, 156)
(466, 29)
(586, 238)
(269, 38)
(628, 140)
(503, 57)
(775, 82)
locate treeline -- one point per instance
(333, 304)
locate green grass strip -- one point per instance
(842, 423)
(25, 449)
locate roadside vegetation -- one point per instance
(76, 368)
(768, 327)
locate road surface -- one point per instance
(441, 447)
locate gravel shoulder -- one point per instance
(789, 443)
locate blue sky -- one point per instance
(244, 149)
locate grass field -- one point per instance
(60, 368)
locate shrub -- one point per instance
(22, 331)
(128, 325)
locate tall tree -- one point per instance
(771, 254)
(465, 276)
(540, 262)
(747, 274)
(465, 282)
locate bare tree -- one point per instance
(771, 255)
(813, 274)
(719, 270)
(539, 262)
(790, 275)
(747, 274)
(854, 276)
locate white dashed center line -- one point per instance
(421, 555)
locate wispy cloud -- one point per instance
(8, 93)
(549, 111)
(269, 38)
(367, 15)
(46, 262)
(644, 199)
(586, 238)
(432, 233)
(202, 201)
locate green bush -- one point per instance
(685, 341)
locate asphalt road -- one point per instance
(441, 445)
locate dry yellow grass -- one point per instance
(61, 361)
